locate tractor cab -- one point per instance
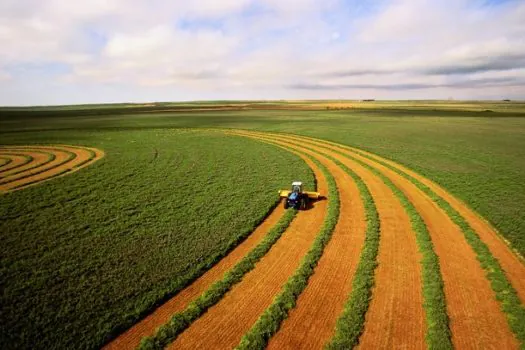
(297, 187)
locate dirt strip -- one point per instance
(16, 161)
(225, 323)
(4, 161)
(132, 337)
(36, 159)
(312, 321)
(511, 264)
(44, 166)
(476, 319)
(61, 165)
(396, 317)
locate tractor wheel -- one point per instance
(285, 203)
(303, 203)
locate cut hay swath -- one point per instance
(30, 165)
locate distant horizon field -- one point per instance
(477, 155)
(367, 102)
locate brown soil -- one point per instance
(224, 324)
(396, 317)
(476, 319)
(17, 161)
(313, 319)
(39, 159)
(511, 264)
(132, 337)
(51, 169)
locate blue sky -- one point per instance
(60, 52)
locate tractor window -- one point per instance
(296, 189)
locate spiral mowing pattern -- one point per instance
(23, 166)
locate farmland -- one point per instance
(157, 232)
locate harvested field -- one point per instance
(132, 337)
(225, 323)
(436, 272)
(30, 165)
(398, 315)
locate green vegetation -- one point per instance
(182, 320)
(269, 322)
(350, 324)
(476, 155)
(438, 332)
(505, 293)
(87, 255)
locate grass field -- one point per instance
(112, 241)
(85, 255)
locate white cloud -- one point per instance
(265, 47)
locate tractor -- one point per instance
(297, 198)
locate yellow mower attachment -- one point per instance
(311, 195)
(296, 197)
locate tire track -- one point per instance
(225, 323)
(146, 327)
(476, 318)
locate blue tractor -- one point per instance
(297, 198)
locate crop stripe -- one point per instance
(182, 320)
(268, 323)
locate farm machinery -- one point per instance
(297, 198)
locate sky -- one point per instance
(69, 52)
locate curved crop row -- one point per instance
(33, 164)
(60, 160)
(181, 320)
(15, 161)
(505, 292)
(350, 324)
(269, 322)
(438, 332)
(40, 168)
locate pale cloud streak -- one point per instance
(181, 50)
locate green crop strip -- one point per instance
(182, 320)
(438, 331)
(142, 230)
(505, 293)
(6, 161)
(269, 322)
(50, 158)
(27, 159)
(350, 324)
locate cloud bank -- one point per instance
(58, 51)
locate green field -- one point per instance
(85, 256)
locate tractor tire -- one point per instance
(303, 204)
(286, 204)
